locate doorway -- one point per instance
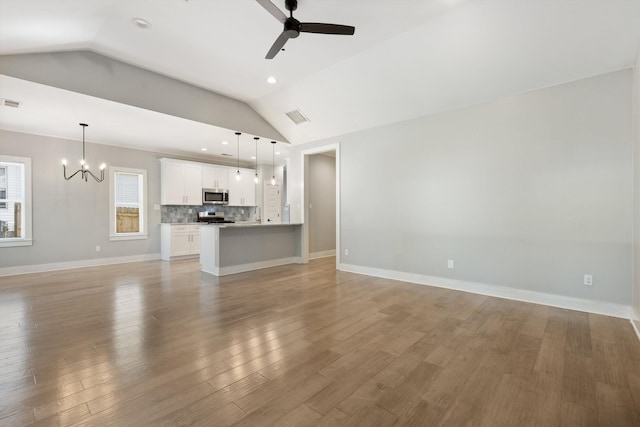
(321, 202)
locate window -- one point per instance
(128, 200)
(15, 201)
(3, 187)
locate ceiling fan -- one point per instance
(293, 27)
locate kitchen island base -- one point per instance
(230, 249)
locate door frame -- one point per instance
(305, 197)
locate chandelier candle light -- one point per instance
(84, 167)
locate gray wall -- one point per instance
(97, 75)
(71, 217)
(530, 191)
(322, 198)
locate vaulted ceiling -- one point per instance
(408, 58)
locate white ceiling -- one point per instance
(408, 58)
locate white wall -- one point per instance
(70, 218)
(322, 198)
(636, 188)
(529, 192)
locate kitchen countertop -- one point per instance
(249, 224)
(231, 224)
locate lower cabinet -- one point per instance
(179, 240)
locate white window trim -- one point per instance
(113, 236)
(27, 240)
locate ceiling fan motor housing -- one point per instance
(292, 28)
(291, 5)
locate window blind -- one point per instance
(127, 189)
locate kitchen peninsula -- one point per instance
(235, 248)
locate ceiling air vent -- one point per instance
(297, 117)
(227, 154)
(10, 103)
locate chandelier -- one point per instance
(84, 167)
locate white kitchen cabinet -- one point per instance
(179, 240)
(242, 192)
(216, 177)
(180, 183)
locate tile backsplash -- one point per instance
(177, 214)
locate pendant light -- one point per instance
(273, 177)
(255, 178)
(84, 167)
(238, 144)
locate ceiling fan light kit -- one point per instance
(293, 27)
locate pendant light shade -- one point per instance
(256, 179)
(238, 144)
(273, 168)
(84, 167)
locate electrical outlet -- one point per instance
(241, 211)
(588, 280)
(156, 207)
(450, 264)
(346, 252)
(190, 210)
(97, 248)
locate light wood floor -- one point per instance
(160, 343)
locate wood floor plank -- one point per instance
(161, 343)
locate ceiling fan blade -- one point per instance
(277, 45)
(315, 27)
(273, 9)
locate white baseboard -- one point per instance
(322, 254)
(40, 268)
(635, 320)
(579, 304)
(241, 268)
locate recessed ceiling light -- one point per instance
(203, 149)
(277, 153)
(141, 23)
(253, 157)
(225, 142)
(271, 80)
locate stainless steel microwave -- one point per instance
(215, 196)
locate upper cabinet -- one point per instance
(215, 177)
(242, 192)
(181, 182)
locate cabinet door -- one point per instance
(216, 177)
(193, 184)
(180, 243)
(235, 188)
(248, 188)
(172, 183)
(209, 177)
(242, 192)
(195, 240)
(222, 178)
